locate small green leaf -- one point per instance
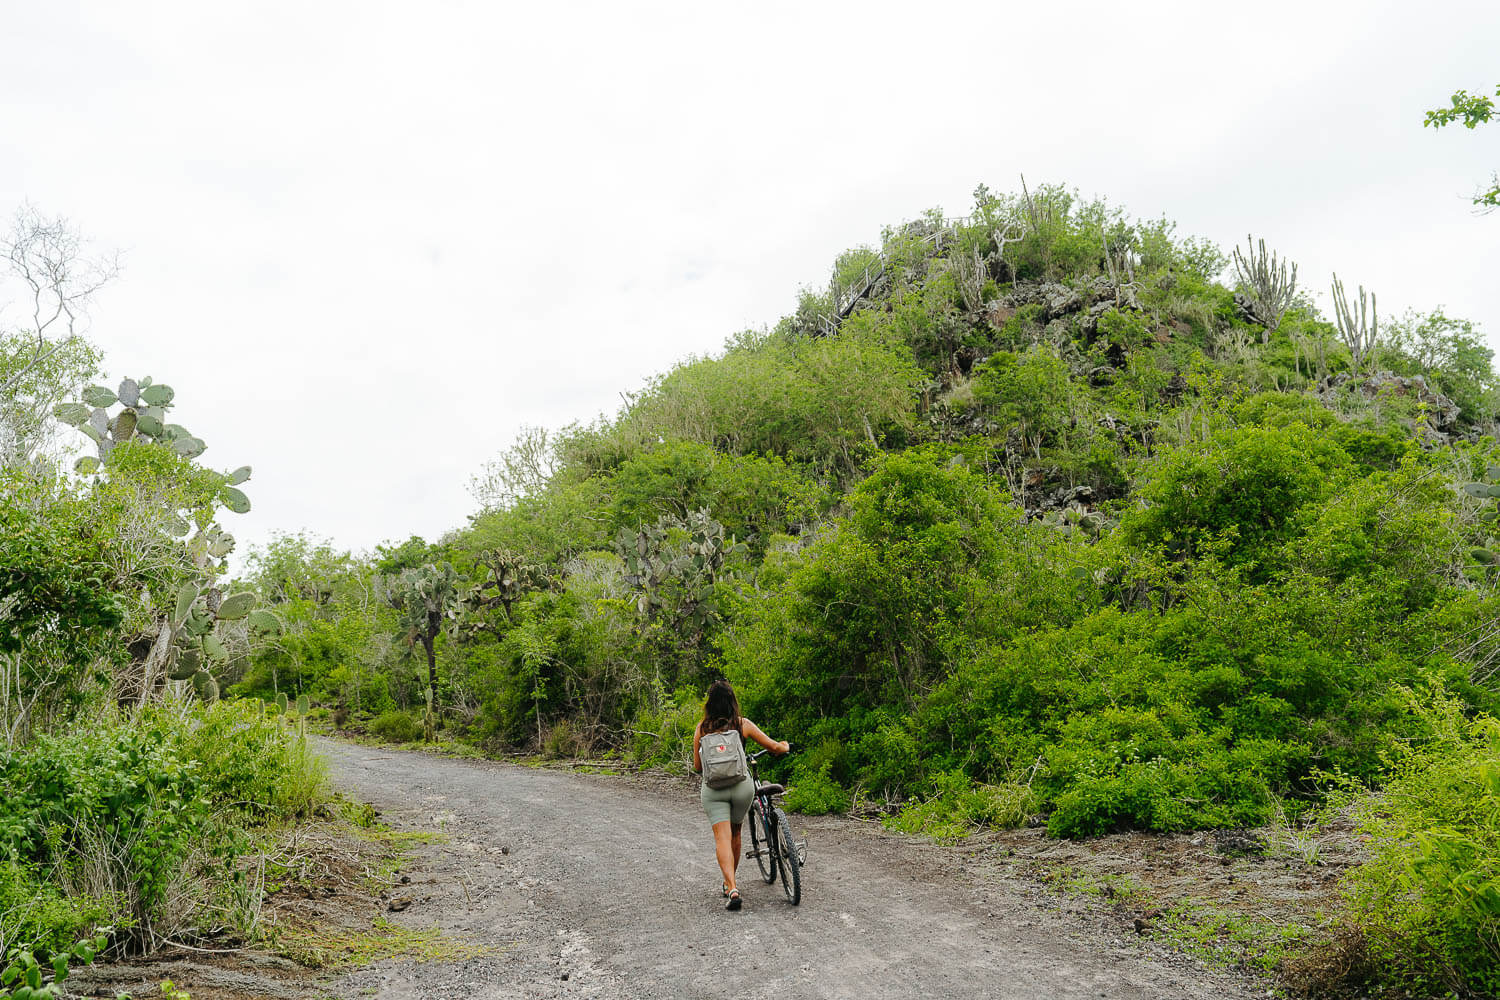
(86, 466)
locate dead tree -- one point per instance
(47, 256)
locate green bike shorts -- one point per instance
(727, 805)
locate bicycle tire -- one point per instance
(760, 843)
(786, 859)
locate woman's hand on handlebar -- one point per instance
(786, 748)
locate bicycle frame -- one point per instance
(763, 811)
(780, 855)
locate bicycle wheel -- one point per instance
(786, 860)
(760, 842)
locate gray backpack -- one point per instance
(723, 756)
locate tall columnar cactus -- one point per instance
(1268, 289)
(1358, 328)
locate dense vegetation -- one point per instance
(135, 804)
(1040, 514)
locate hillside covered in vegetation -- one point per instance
(1041, 515)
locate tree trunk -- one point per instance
(154, 659)
(430, 723)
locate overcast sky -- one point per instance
(367, 242)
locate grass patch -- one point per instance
(1220, 938)
(1215, 936)
(327, 948)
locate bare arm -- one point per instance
(750, 730)
(697, 761)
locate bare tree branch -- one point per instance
(50, 260)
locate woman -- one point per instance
(726, 807)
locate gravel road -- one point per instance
(585, 885)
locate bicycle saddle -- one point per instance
(769, 789)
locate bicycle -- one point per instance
(771, 842)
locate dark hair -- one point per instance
(721, 710)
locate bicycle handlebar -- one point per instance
(757, 755)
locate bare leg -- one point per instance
(736, 842)
(724, 848)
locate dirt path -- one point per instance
(597, 886)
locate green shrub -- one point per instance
(664, 738)
(816, 794)
(139, 817)
(395, 726)
(959, 807)
(35, 911)
(256, 764)
(1428, 901)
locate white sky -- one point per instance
(367, 242)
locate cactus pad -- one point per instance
(186, 595)
(214, 649)
(99, 396)
(235, 500)
(205, 687)
(265, 622)
(122, 428)
(72, 413)
(157, 395)
(187, 447)
(129, 392)
(236, 606)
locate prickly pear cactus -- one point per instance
(676, 563)
(192, 628)
(1486, 556)
(199, 643)
(142, 417)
